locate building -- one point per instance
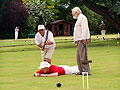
(60, 28)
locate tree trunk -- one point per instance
(104, 12)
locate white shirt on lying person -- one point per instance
(40, 40)
(81, 29)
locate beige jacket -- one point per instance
(81, 29)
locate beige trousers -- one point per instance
(103, 33)
(47, 53)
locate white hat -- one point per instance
(43, 65)
(41, 27)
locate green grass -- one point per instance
(17, 68)
(95, 43)
(11, 42)
(17, 65)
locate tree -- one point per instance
(12, 13)
(50, 4)
(16, 13)
(66, 14)
(39, 13)
(109, 9)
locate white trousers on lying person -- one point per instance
(70, 69)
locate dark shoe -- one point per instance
(103, 38)
(79, 73)
(86, 74)
(89, 74)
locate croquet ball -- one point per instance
(58, 84)
(107, 50)
(117, 42)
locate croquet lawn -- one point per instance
(17, 68)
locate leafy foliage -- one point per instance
(38, 14)
(16, 12)
(12, 14)
(111, 13)
(116, 8)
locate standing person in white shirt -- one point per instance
(47, 48)
(81, 36)
(16, 32)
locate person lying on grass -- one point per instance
(49, 70)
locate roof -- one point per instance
(57, 21)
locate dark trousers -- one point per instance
(82, 55)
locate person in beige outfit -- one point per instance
(81, 36)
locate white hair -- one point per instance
(76, 9)
(102, 22)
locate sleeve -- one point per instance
(84, 25)
(40, 72)
(51, 37)
(37, 39)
